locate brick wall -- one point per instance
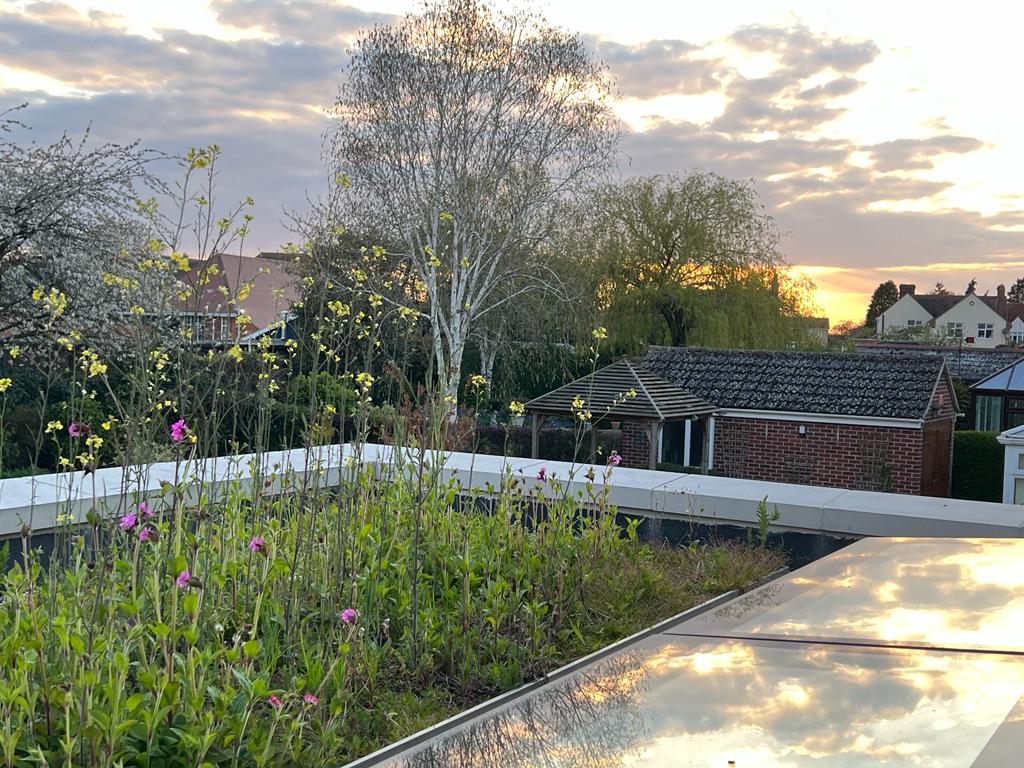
(842, 455)
(635, 449)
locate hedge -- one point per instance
(977, 466)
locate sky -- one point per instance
(884, 137)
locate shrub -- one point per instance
(977, 466)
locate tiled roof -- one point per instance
(802, 382)
(968, 364)
(604, 392)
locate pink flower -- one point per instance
(258, 544)
(146, 533)
(309, 698)
(614, 459)
(127, 522)
(144, 509)
(183, 579)
(542, 474)
(274, 701)
(348, 616)
(77, 429)
(179, 430)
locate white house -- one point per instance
(981, 321)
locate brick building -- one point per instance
(845, 420)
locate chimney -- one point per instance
(1001, 301)
(906, 288)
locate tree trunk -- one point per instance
(677, 321)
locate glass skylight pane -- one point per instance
(938, 593)
(701, 702)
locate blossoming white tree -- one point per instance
(67, 217)
(461, 130)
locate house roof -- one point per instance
(272, 289)
(969, 364)
(1009, 379)
(605, 393)
(802, 382)
(936, 306)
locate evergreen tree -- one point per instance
(1016, 294)
(885, 295)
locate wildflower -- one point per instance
(144, 509)
(542, 474)
(348, 616)
(235, 353)
(478, 380)
(94, 441)
(517, 408)
(179, 430)
(274, 701)
(310, 699)
(77, 429)
(184, 578)
(5, 384)
(147, 533)
(54, 426)
(614, 459)
(258, 544)
(14, 352)
(577, 403)
(600, 333)
(128, 521)
(364, 380)
(106, 424)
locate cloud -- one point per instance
(298, 20)
(261, 98)
(659, 67)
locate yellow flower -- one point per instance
(235, 353)
(600, 333)
(517, 408)
(94, 441)
(577, 403)
(137, 310)
(478, 380)
(5, 384)
(54, 426)
(364, 380)
(14, 351)
(106, 424)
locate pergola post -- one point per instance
(653, 437)
(537, 420)
(709, 444)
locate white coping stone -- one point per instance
(698, 498)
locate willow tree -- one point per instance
(674, 255)
(460, 131)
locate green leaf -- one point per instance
(251, 648)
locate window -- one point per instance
(984, 330)
(956, 330)
(1018, 490)
(988, 416)
(913, 323)
(195, 324)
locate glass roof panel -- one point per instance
(689, 702)
(997, 381)
(930, 593)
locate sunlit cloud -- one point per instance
(870, 169)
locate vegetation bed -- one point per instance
(313, 626)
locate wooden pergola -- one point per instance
(622, 391)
